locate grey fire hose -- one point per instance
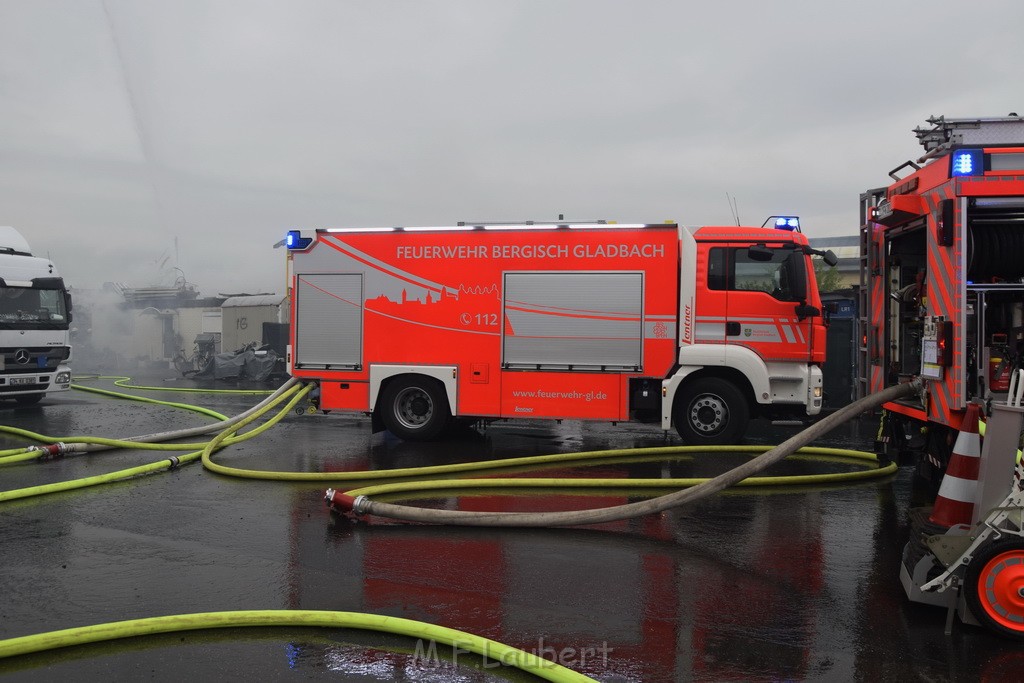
(363, 506)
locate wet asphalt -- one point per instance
(753, 585)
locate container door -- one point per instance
(573, 321)
(329, 321)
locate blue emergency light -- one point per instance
(791, 223)
(295, 240)
(967, 162)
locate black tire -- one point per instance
(995, 587)
(710, 411)
(28, 399)
(415, 408)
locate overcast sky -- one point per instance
(193, 134)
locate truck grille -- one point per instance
(33, 359)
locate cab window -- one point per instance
(731, 268)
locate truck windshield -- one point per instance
(31, 308)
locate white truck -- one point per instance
(35, 317)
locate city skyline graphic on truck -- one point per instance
(409, 298)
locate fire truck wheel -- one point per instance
(415, 408)
(995, 587)
(711, 411)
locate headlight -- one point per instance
(63, 377)
(817, 392)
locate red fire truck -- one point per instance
(697, 327)
(942, 262)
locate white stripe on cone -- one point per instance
(960, 490)
(968, 444)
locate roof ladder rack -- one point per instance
(948, 133)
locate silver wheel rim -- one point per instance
(708, 414)
(413, 408)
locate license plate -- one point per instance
(23, 380)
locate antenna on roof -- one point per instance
(733, 208)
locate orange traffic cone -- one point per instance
(955, 502)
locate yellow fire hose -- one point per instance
(490, 649)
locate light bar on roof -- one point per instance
(790, 223)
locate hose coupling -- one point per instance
(54, 450)
(346, 503)
(174, 462)
(361, 505)
(338, 500)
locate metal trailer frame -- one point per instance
(998, 515)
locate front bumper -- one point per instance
(14, 384)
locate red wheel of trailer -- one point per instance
(995, 587)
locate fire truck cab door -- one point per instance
(766, 299)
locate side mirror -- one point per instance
(828, 256)
(67, 304)
(804, 311)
